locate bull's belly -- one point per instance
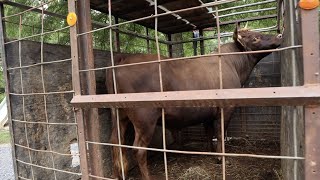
(177, 118)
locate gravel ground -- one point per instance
(6, 167)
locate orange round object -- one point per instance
(72, 19)
(308, 4)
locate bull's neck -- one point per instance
(243, 64)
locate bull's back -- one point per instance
(197, 74)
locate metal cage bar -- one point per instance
(221, 108)
(161, 90)
(44, 91)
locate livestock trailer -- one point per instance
(56, 56)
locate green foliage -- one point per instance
(4, 137)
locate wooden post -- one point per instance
(170, 51)
(201, 42)
(88, 86)
(117, 37)
(148, 41)
(311, 65)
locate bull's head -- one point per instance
(253, 41)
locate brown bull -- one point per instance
(199, 74)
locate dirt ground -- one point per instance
(203, 167)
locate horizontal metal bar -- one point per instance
(301, 95)
(36, 35)
(210, 4)
(47, 93)
(45, 123)
(122, 31)
(193, 58)
(248, 19)
(222, 35)
(53, 169)
(199, 153)
(39, 64)
(245, 5)
(249, 11)
(22, 12)
(45, 151)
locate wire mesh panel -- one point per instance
(145, 110)
(39, 90)
(157, 82)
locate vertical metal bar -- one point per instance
(294, 83)
(221, 87)
(201, 42)
(89, 84)
(117, 36)
(115, 89)
(170, 51)
(148, 41)
(23, 99)
(161, 89)
(77, 89)
(7, 89)
(44, 90)
(311, 67)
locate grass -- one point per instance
(4, 137)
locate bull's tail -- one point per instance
(119, 158)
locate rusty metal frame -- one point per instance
(7, 89)
(311, 61)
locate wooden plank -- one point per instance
(301, 95)
(76, 86)
(311, 63)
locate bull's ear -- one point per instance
(237, 26)
(237, 37)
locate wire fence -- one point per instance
(161, 48)
(29, 126)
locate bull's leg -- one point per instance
(123, 123)
(144, 121)
(227, 117)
